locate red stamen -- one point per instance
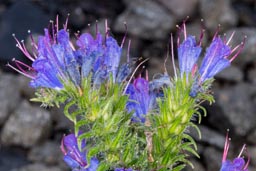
(216, 33)
(66, 23)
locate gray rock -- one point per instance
(181, 8)
(48, 152)
(248, 53)
(145, 19)
(218, 12)
(234, 109)
(251, 138)
(11, 157)
(212, 158)
(232, 73)
(209, 136)
(9, 95)
(27, 126)
(197, 166)
(252, 76)
(38, 167)
(252, 152)
(61, 122)
(20, 17)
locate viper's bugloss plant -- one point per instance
(123, 123)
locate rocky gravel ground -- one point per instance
(30, 135)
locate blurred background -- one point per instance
(30, 136)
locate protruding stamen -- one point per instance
(172, 56)
(242, 150)
(57, 23)
(201, 37)
(96, 27)
(217, 32)
(226, 147)
(134, 74)
(66, 23)
(241, 47)
(128, 51)
(23, 48)
(125, 25)
(230, 38)
(106, 28)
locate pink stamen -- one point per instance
(226, 147)
(216, 33)
(241, 47)
(23, 49)
(62, 147)
(57, 23)
(230, 38)
(66, 23)
(201, 37)
(17, 70)
(106, 28)
(172, 56)
(33, 43)
(125, 25)
(242, 150)
(128, 51)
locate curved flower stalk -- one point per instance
(238, 164)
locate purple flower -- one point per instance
(218, 56)
(56, 61)
(139, 99)
(75, 158)
(238, 164)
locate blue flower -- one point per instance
(57, 62)
(238, 164)
(75, 158)
(139, 99)
(188, 53)
(218, 56)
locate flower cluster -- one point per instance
(218, 56)
(141, 122)
(56, 61)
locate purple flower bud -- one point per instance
(139, 99)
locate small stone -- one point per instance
(38, 167)
(48, 152)
(18, 18)
(212, 158)
(9, 95)
(181, 8)
(232, 74)
(234, 109)
(27, 126)
(197, 166)
(218, 12)
(252, 76)
(145, 19)
(209, 136)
